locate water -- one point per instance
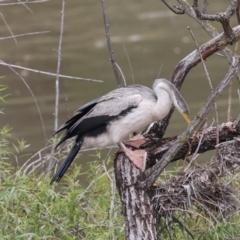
(148, 41)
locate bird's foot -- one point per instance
(136, 141)
(138, 157)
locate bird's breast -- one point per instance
(133, 121)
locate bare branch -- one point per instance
(34, 99)
(109, 43)
(183, 138)
(22, 2)
(202, 141)
(9, 29)
(58, 67)
(178, 11)
(47, 73)
(185, 65)
(208, 78)
(24, 34)
(223, 18)
(210, 29)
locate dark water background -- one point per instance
(145, 33)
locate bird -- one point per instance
(112, 117)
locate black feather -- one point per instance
(79, 114)
(69, 159)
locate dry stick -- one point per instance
(50, 165)
(209, 81)
(229, 102)
(210, 29)
(27, 1)
(195, 154)
(114, 66)
(129, 63)
(33, 96)
(26, 164)
(58, 67)
(183, 138)
(25, 5)
(24, 34)
(216, 17)
(47, 73)
(178, 11)
(8, 28)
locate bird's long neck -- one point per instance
(164, 104)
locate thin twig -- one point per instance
(129, 63)
(229, 102)
(23, 35)
(35, 100)
(209, 82)
(195, 154)
(58, 67)
(25, 5)
(48, 73)
(20, 2)
(206, 25)
(9, 29)
(114, 66)
(179, 9)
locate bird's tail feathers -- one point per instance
(68, 161)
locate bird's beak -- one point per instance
(186, 117)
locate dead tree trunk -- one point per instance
(140, 218)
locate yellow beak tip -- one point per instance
(186, 117)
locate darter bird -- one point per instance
(109, 119)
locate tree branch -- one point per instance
(183, 138)
(182, 69)
(157, 148)
(223, 18)
(109, 43)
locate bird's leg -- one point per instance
(138, 157)
(136, 141)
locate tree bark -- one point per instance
(138, 210)
(202, 141)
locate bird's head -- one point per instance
(177, 99)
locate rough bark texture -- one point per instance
(200, 142)
(141, 219)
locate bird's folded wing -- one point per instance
(98, 116)
(115, 106)
(104, 112)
